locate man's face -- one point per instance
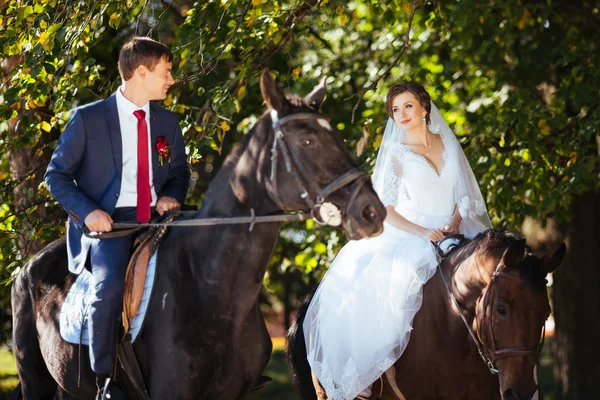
(158, 81)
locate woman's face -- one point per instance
(407, 111)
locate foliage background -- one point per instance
(517, 80)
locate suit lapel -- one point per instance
(154, 134)
(112, 116)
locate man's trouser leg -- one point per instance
(109, 259)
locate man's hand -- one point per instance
(165, 204)
(98, 221)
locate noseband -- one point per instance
(329, 214)
(490, 354)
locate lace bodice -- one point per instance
(412, 182)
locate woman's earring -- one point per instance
(424, 125)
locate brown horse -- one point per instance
(500, 295)
(204, 336)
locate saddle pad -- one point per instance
(75, 310)
(448, 245)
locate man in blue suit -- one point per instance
(118, 160)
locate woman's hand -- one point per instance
(434, 235)
(451, 229)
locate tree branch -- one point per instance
(212, 63)
(394, 63)
(137, 22)
(215, 59)
(289, 23)
(320, 39)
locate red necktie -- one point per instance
(144, 197)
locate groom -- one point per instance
(117, 160)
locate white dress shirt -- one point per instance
(129, 138)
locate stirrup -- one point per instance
(112, 392)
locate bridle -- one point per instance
(323, 212)
(494, 353)
(294, 168)
(490, 353)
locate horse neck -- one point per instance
(467, 281)
(239, 187)
(243, 256)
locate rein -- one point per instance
(324, 213)
(492, 354)
(126, 228)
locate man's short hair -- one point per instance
(141, 51)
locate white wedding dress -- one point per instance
(360, 318)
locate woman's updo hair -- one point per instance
(416, 89)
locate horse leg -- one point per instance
(36, 381)
(257, 352)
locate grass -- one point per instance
(281, 387)
(8, 373)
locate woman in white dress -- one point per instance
(360, 319)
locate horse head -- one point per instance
(311, 170)
(511, 313)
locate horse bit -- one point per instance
(328, 212)
(492, 354)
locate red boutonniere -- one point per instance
(162, 147)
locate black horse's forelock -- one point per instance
(495, 241)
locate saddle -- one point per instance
(144, 246)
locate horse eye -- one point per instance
(307, 142)
(500, 309)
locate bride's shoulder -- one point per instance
(399, 148)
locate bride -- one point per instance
(360, 319)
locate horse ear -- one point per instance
(273, 96)
(316, 97)
(551, 262)
(514, 254)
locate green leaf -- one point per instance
(115, 20)
(320, 248)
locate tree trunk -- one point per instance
(23, 162)
(28, 164)
(577, 304)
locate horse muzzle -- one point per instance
(513, 394)
(365, 219)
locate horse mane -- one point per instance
(221, 180)
(493, 242)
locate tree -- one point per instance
(518, 82)
(533, 118)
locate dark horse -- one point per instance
(500, 290)
(204, 336)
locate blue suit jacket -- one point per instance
(84, 173)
